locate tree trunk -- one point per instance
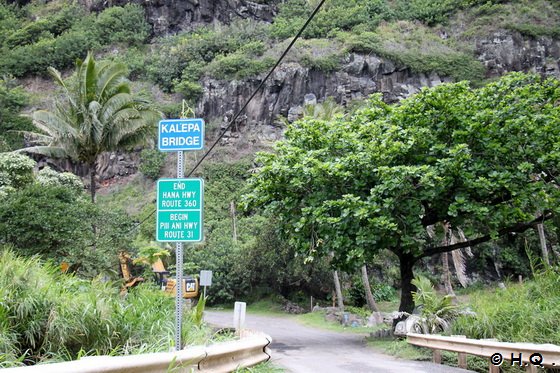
(338, 291)
(92, 170)
(542, 239)
(407, 275)
(369, 296)
(447, 274)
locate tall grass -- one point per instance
(527, 312)
(47, 315)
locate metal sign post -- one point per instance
(179, 202)
(179, 271)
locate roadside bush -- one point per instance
(48, 315)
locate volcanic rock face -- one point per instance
(510, 51)
(171, 16)
(291, 86)
(284, 94)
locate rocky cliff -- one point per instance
(292, 86)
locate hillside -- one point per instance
(213, 53)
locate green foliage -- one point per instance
(320, 54)
(122, 25)
(238, 65)
(437, 312)
(60, 38)
(151, 163)
(430, 12)
(530, 18)
(12, 100)
(183, 59)
(46, 314)
(55, 222)
(336, 15)
(355, 185)
(45, 28)
(48, 177)
(16, 170)
(520, 313)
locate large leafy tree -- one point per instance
(485, 160)
(96, 113)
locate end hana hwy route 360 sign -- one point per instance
(179, 210)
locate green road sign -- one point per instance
(179, 210)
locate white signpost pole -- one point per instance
(179, 271)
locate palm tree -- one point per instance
(97, 113)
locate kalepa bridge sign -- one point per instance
(181, 134)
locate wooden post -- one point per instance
(437, 357)
(461, 356)
(531, 368)
(493, 368)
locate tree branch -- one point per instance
(519, 227)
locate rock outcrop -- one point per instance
(171, 16)
(292, 85)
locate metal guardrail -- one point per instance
(217, 358)
(528, 355)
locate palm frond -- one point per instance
(52, 124)
(111, 76)
(49, 151)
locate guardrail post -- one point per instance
(239, 316)
(437, 356)
(461, 356)
(531, 368)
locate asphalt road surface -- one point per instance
(302, 349)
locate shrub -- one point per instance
(238, 65)
(49, 177)
(430, 12)
(189, 90)
(16, 170)
(12, 100)
(53, 25)
(46, 314)
(122, 25)
(151, 163)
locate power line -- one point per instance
(232, 121)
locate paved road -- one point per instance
(301, 349)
